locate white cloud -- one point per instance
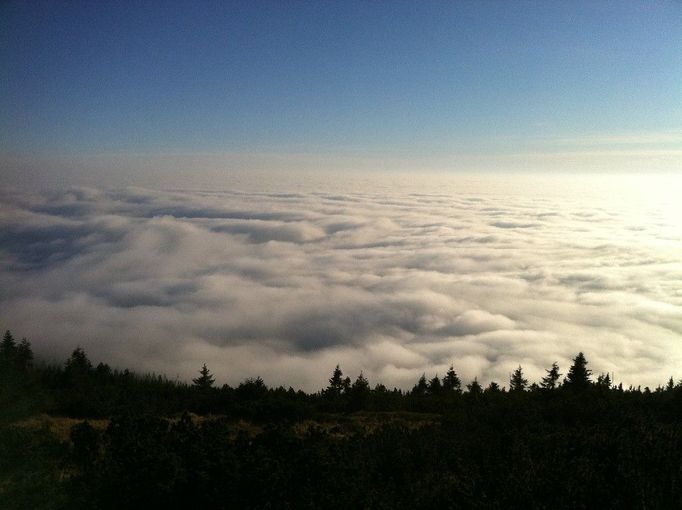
(403, 279)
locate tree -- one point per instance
(578, 377)
(604, 381)
(549, 382)
(671, 385)
(78, 363)
(336, 385)
(205, 380)
(435, 386)
(475, 387)
(421, 387)
(359, 393)
(493, 387)
(451, 381)
(24, 354)
(517, 382)
(8, 347)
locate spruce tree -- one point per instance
(435, 386)
(24, 355)
(578, 377)
(475, 387)
(335, 382)
(421, 387)
(549, 382)
(205, 380)
(517, 382)
(451, 381)
(8, 347)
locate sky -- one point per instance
(93, 88)
(274, 188)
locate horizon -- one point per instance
(280, 187)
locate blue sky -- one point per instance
(418, 81)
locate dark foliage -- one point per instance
(582, 444)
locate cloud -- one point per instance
(397, 282)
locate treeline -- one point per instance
(79, 389)
(569, 441)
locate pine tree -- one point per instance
(517, 382)
(335, 382)
(78, 363)
(475, 387)
(671, 385)
(549, 382)
(604, 381)
(359, 393)
(205, 379)
(24, 355)
(421, 387)
(451, 381)
(578, 377)
(493, 387)
(8, 347)
(435, 386)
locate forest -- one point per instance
(78, 435)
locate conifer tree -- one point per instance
(335, 382)
(435, 386)
(451, 381)
(578, 377)
(8, 347)
(549, 382)
(475, 387)
(517, 382)
(24, 355)
(205, 379)
(78, 363)
(493, 387)
(421, 387)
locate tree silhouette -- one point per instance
(205, 379)
(359, 393)
(578, 377)
(24, 354)
(475, 387)
(549, 382)
(435, 386)
(451, 381)
(604, 381)
(336, 384)
(493, 387)
(78, 364)
(8, 347)
(517, 382)
(421, 387)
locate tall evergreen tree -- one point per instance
(24, 354)
(435, 386)
(205, 379)
(335, 382)
(475, 387)
(359, 393)
(8, 347)
(78, 363)
(493, 387)
(517, 382)
(421, 387)
(451, 381)
(549, 382)
(578, 377)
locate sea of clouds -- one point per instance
(381, 274)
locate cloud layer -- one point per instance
(391, 278)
